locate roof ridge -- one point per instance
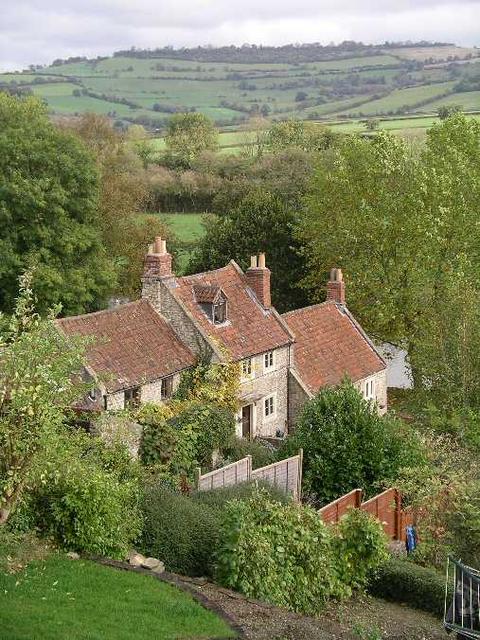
(311, 306)
(103, 311)
(204, 273)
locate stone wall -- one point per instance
(380, 390)
(159, 295)
(152, 392)
(297, 396)
(263, 384)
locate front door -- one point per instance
(247, 422)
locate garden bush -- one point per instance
(239, 448)
(407, 582)
(278, 553)
(218, 498)
(360, 546)
(180, 531)
(347, 445)
(183, 530)
(87, 500)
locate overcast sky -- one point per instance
(38, 31)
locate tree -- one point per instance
(301, 96)
(300, 135)
(261, 222)
(372, 124)
(347, 445)
(126, 230)
(48, 202)
(447, 110)
(37, 363)
(188, 134)
(404, 227)
(364, 214)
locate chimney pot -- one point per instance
(258, 277)
(163, 247)
(336, 287)
(157, 246)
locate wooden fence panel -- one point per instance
(234, 473)
(384, 507)
(285, 474)
(333, 511)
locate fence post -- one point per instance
(249, 468)
(358, 498)
(398, 515)
(300, 472)
(198, 473)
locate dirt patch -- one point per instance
(360, 618)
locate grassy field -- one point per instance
(186, 226)
(400, 98)
(229, 92)
(60, 598)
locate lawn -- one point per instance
(60, 599)
(186, 226)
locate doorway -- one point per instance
(247, 431)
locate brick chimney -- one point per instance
(336, 287)
(157, 271)
(258, 277)
(158, 262)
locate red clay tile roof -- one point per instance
(206, 294)
(250, 329)
(329, 345)
(135, 345)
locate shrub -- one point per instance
(88, 500)
(347, 444)
(279, 553)
(185, 434)
(180, 531)
(360, 546)
(184, 530)
(405, 581)
(239, 448)
(213, 426)
(218, 498)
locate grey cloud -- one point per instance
(34, 31)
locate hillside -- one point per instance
(229, 84)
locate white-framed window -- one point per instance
(369, 389)
(269, 407)
(247, 368)
(268, 361)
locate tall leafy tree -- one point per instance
(260, 222)
(125, 229)
(48, 200)
(405, 228)
(188, 134)
(37, 364)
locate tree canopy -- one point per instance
(48, 201)
(188, 134)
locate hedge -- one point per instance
(407, 582)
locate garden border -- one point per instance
(176, 581)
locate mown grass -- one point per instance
(186, 226)
(60, 599)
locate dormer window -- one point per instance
(213, 302)
(220, 312)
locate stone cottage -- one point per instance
(141, 348)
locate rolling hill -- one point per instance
(230, 84)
